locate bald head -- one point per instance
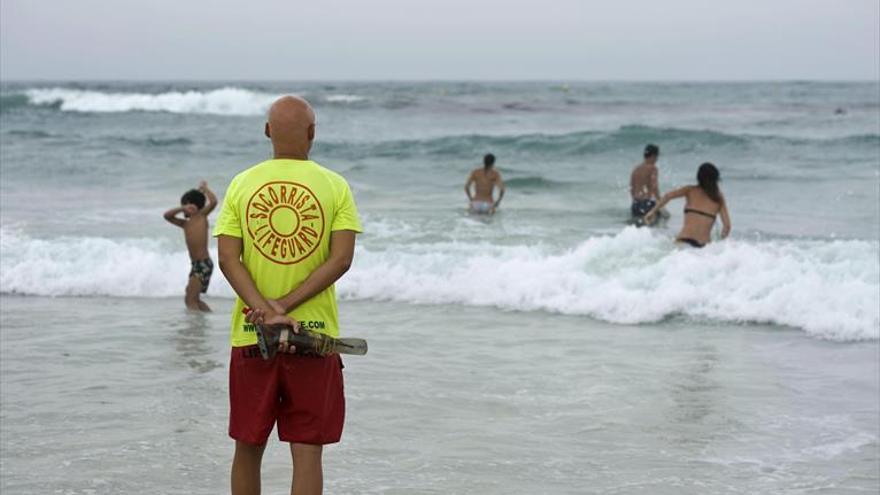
(291, 127)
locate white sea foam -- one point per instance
(854, 442)
(830, 289)
(87, 266)
(343, 98)
(223, 101)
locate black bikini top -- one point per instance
(698, 212)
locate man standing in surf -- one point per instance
(485, 180)
(644, 185)
(285, 234)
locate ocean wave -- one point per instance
(89, 266)
(182, 141)
(13, 101)
(223, 101)
(827, 288)
(233, 101)
(581, 143)
(534, 182)
(32, 134)
(859, 139)
(344, 98)
(464, 146)
(151, 141)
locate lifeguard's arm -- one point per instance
(667, 198)
(172, 218)
(467, 186)
(725, 219)
(500, 184)
(341, 254)
(211, 197)
(229, 252)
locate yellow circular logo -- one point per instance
(285, 221)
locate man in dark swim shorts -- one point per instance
(641, 206)
(643, 186)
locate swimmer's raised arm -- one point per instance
(211, 202)
(172, 218)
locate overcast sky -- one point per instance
(440, 39)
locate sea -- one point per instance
(551, 348)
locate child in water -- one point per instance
(196, 205)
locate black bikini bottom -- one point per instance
(692, 242)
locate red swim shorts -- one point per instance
(303, 394)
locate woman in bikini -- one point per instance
(703, 202)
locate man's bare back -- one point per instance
(484, 184)
(485, 180)
(643, 182)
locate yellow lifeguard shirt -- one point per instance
(284, 212)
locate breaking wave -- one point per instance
(829, 289)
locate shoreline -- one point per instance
(223, 305)
(446, 401)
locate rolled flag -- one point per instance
(305, 341)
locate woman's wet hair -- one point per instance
(708, 177)
(193, 197)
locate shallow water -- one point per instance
(132, 398)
